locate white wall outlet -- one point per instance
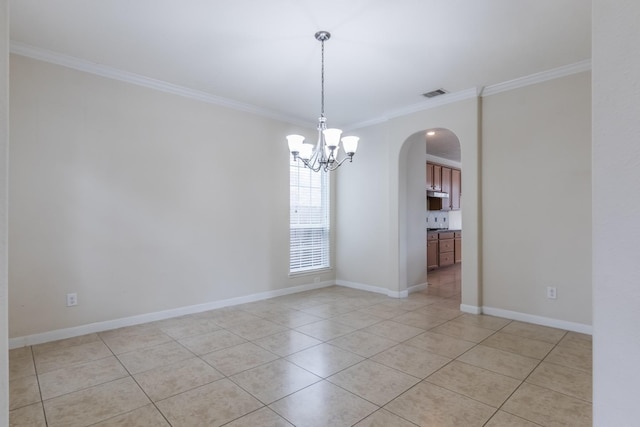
(72, 299)
(551, 292)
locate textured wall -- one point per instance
(536, 180)
(616, 212)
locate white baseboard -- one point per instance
(151, 317)
(381, 290)
(472, 309)
(417, 288)
(539, 320)
(363, 287)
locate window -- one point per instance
(309, 239)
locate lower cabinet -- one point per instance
(432, 251)
(458, 247)
(444, 248)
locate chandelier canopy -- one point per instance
(325, 154)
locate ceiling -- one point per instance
(381, 57)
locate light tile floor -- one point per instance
(329, 357)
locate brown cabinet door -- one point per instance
(458, 249)
(446, 187)
(446, 259)
(456, 189)
(429, 176)
(432, 254)
(437, 178)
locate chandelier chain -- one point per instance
(322, 83)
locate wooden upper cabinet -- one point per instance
(429, 176)
(446, 187)
(434, 177)
(456, 189)
(437, 178)
(445, 179)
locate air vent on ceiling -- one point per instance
(434, 93)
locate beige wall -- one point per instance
(374, 236)
(616, 213)
(4, 162)
(138, 200)
(536, 197)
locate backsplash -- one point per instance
(444, 219)
(437, 219)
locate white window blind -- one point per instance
(309, 237)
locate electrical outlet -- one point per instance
(316, 280)
(72, 299)
(551, 292)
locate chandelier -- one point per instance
(325, 154)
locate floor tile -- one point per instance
(407, 304)
(133, 338)
(573, 356)
(287, 342)
(325, 330)
(292, 318)
(411, 360)
(500, 361)
(211, 405)
(324, 359)
(206, 343)
(187, 326)
(519, 345)
(165, 381)
(95, 404)
(483, 321)
(393, 330)
(233, 360)
(256, 329)
(274, 380)
(534, 332)
(31, 415)
(504, 419)
(445, 313)
(363, 343)
(383, 311)
(374, 382)
(563, 379)
(464, 332)
(21, 363)
(263, 417)
(327, 310)
(23, 391)
(443, 345)
(146, 416)
(60, 357)
(419, 319)
(383, 418)
(476, 383)
(323, 404)
(80, 376)
(431, 405)
(356, 319)
(67, 342)
(227, 317)
(153, 357)
(547, 407)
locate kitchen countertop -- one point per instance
(441, 230)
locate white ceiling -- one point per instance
(381, 57)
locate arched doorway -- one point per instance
(412, 223)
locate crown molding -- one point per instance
(543, 76)
(438, 101)
(45, 55)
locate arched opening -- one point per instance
(441, 147)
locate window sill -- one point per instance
(310, 272)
